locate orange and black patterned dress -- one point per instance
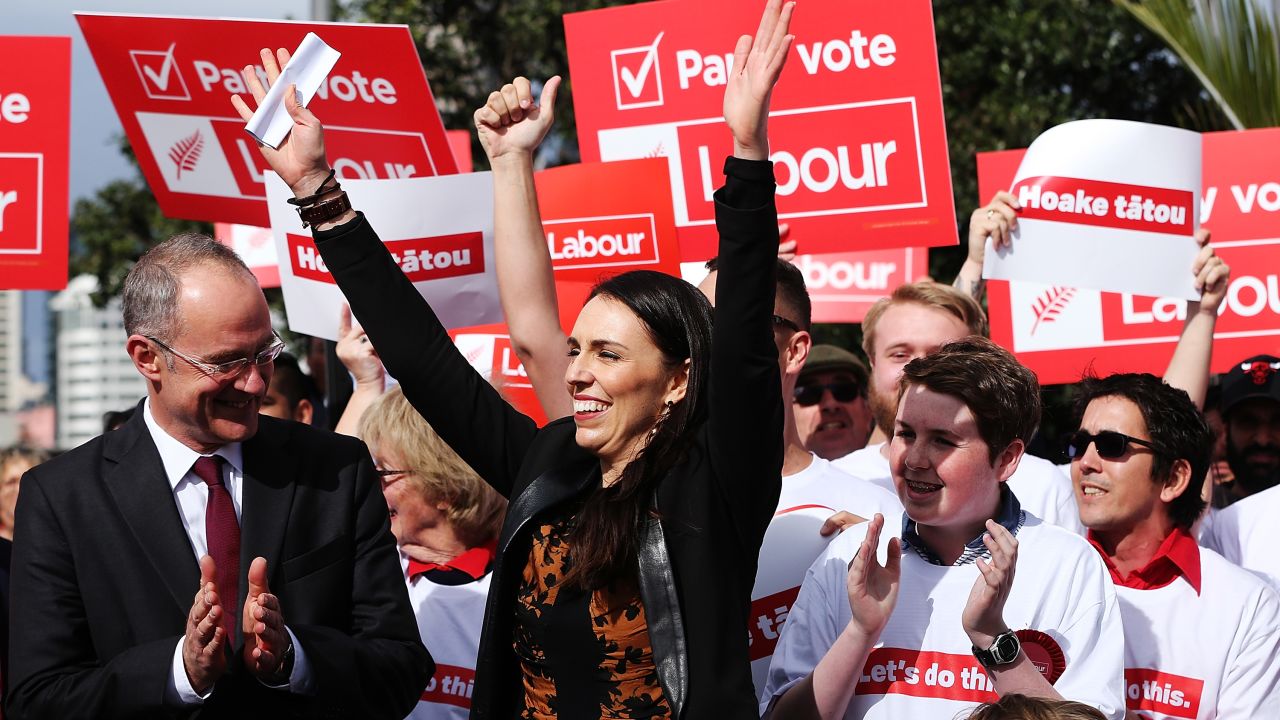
(582, 655)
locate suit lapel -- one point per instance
(136, 481)
(269, 482)
(548, 489)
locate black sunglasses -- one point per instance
(1110, 444)
(779, 320)
(807, 395)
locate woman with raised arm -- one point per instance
(626, 559)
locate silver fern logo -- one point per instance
(186, 152)
(1050, 305)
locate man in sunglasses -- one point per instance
(1202, 636)
(830, 403)
(202, 558)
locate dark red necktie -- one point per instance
(222, 532)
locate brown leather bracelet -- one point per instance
(322, 212)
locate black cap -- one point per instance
(829, 357)
(1258, 376)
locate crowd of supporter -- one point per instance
(720, 519)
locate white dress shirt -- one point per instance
(192, 497)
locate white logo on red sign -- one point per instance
(158, 72)
(21, 200)
(637, 77)
(602, 241)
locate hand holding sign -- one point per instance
(299, 159)
(509, 123)
(756, 66)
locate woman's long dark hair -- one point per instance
(677, 317)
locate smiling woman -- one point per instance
(624, 567)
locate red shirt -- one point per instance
(1177, 555)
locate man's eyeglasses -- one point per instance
(779, 320)
(1111, 445)
(231, 368)
(844, 392)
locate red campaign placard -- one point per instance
(1060, 332)
(255, 246)
(35, 122)
(843, 286)
(488, 349)
(601, 219)
(171, 79)
(856, 131)
(460, 145)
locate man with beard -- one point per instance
(1246, 532)
(914, 321)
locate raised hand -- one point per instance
(357, 353)
(757, 63)
(510, 122)
(204, 645)
(998, 220)
(872, 587)
(1212, 275)
(300, 159)
(983, 616)
(265, 639)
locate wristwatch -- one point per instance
(1003, 651)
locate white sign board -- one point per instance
(1108, 205)
(439, 229)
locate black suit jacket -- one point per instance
(104, 576)
(715, 505)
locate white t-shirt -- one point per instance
(450, 618)
(792, 542)
(1247, 533)
(1206, 656)
(923, 666)
(1041, 487)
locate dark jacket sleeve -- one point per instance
(56, 672)
(745, 426)
(377, 667)
(486, 432)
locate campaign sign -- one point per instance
(1122, 190)
(1060, 330)
(256, 248)
(488, 349)
(843, 286)
(439, 230)
(171, 79)
(856, 130)
(791, 544)
(602, 219)
(35, 112)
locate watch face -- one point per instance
(1006, 648)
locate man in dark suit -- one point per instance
(201, 557)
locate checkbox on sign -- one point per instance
(158, 72)
(637, 78)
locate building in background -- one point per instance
(94, 373)
(24, 367)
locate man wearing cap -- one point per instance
(830, 403)
(1247, 532)
(1138, 463)
(1251, 415)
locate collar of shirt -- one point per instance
(178, 458)
(1009, 515)
(473, 564)
(1178, 555)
